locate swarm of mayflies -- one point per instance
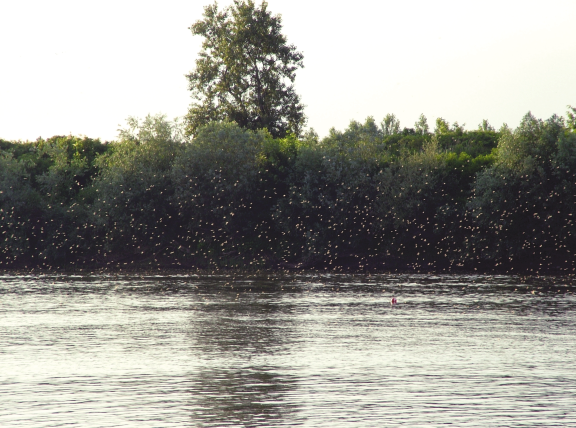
(370, 197)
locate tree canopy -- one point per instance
(245, 71)
(368, 197)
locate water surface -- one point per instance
(278, 350)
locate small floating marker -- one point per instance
(393, 301)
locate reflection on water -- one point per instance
(228, 333)
(311, 350)
(252, 396)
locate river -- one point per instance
(270, 350)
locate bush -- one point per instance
(218, 190)
(131, 211)
(521, 208)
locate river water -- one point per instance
(281, 350)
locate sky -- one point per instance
(82, 67)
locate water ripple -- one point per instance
(287, 350)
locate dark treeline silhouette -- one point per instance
(370, 197)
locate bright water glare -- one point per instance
(279, 350)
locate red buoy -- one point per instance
(393, 301)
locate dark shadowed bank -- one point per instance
(373, 197)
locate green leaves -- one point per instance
(390, 125)
(571, 113)
(130, 194)
(152, 128)
(485, 126)
(442, 126)
(237, 197)
(245, 71)
(523, 205)
(421, 126)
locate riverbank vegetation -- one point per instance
(373, 196)
(239, 184)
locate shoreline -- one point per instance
(348, 264)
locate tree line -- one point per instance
(373, 196)
(239, 183)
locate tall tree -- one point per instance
(421, 126)
(245, 71)
(442, 126)
(390, 125)
(485, 126)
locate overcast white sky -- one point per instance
(82, 67)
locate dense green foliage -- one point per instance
(45, 189)
(371, 196)
(245, 71)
